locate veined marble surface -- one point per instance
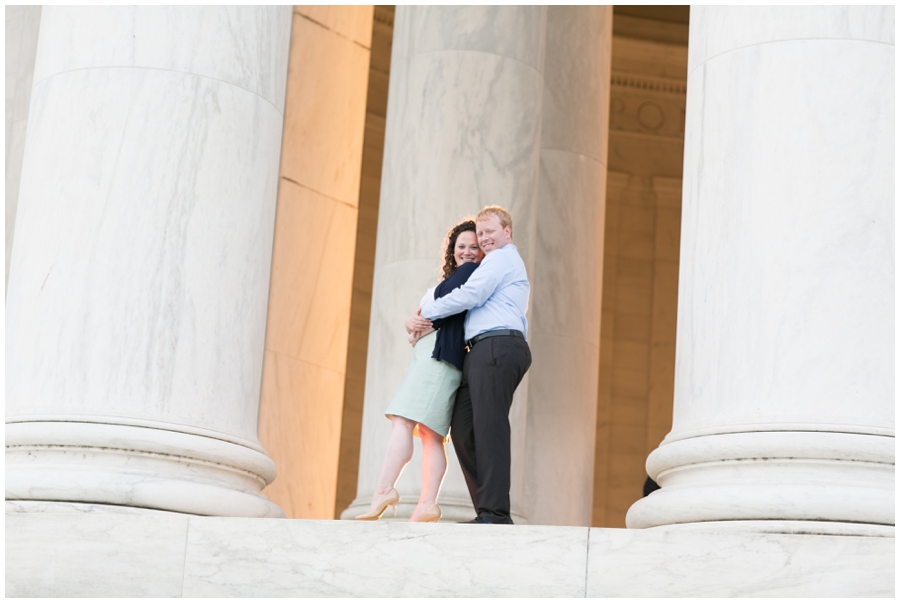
(139, 279)
(462, 133)
(56, 507)
(719, 29)
(786, 285)
(661, 562)
(766, 475)
(86, 463)
(244, 46)
(131, 555)
(786, 306)
(354, 559)
(515, 32)
(575, 105)
(61, 555)
(566, 273)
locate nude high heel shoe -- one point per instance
(431, 517)
(390, 500)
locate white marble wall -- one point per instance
(567, 269)
(786, 303)
(138, 284)
(463, 124)
(22, 24)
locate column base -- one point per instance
(810, 479)
(91, 467)
(55, 506)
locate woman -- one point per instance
(424, 403)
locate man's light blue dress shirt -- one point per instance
(496, 295)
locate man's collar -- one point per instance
(511, 245)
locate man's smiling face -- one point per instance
(491, 234)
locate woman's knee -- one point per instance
(402, 424)
(430, 437)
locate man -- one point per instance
(496, 296)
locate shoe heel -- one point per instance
(390, 500)
(433, 516)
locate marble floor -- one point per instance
(171, 555)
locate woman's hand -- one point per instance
(415, 322)
(417, 335)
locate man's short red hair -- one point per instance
(496, 210)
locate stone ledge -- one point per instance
(72, 554)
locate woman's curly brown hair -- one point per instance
(450, 244)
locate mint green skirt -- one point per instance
(428, 391)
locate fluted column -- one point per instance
(784, 384)
(463, 129)
(556, 467)
(138, 284)
(22, 24)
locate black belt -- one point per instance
(497, 333)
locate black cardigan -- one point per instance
(451, 337)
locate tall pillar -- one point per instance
(138, 285)
(557, 464)
(463, 127)
(22, 24)
(468, 90)
(784, 383)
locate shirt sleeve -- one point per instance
(457, 279)
(428, 297)
(480, 286)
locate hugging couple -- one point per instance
(470, 355)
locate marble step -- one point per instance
(170, 555)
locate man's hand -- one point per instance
(415, 322)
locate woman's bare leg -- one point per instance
(399, 452)
(434, 467)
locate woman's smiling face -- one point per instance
(466, 248)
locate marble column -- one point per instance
(463, 131)
(556, 467)
(784, 384)
(136, 307)
(22, 24)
